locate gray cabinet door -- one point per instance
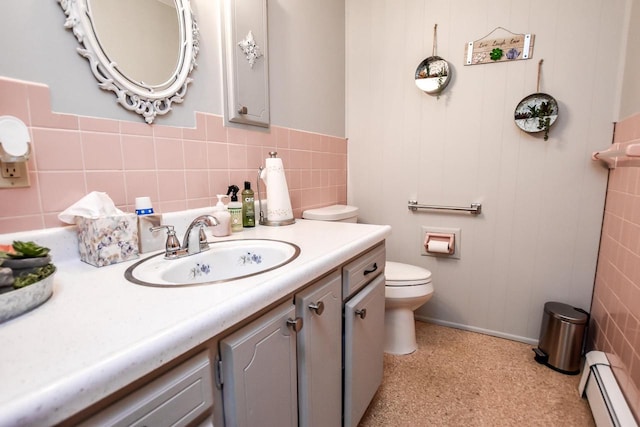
(258, 366)
(320, 353)
(363, 349)
(246, 58)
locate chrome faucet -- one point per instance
(193, 245)
(190, 244)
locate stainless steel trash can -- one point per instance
(561, 337)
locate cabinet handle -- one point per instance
(361, 313)
(295, 324)
(242, 110)
(372, 269)
(318, 307)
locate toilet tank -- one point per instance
(341, 213)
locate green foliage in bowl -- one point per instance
(29, 262)
(23, 250)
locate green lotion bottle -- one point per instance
(248, 206)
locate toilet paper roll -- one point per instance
(438, 246)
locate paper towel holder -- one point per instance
(264, 220)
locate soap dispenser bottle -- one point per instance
(248, 206)
(235, 208)
(221, 213)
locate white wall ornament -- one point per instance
(250, 49)
(135, 94)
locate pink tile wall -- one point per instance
(179, 168)
(615, 308)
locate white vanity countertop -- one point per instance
(99, 332)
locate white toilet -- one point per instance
(407, 287)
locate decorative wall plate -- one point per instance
(433, 75)
(536, 113)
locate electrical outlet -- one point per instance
(9, 170)
(14, 175)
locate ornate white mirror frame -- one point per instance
(147, 100)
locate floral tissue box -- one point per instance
(107, 240)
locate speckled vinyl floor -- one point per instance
(461, 378)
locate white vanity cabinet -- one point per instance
(363, 349)
(327, 373)
(314, 360)
(258, 371)
(162, 367)
(269, 373)
(337, 354)
(363, 290)
(320, 353)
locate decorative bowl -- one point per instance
(19, 301)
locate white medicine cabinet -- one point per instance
(245, 61)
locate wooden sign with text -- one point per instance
(514, 47)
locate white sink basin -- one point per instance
(226, 260)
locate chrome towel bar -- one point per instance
(474, 209)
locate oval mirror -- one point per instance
(146, 66)
(433, 75)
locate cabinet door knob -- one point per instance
(361, 313)
(318, 307)
(243, 110)
(295, 324)
(372, 269)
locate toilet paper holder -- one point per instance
(440, 243)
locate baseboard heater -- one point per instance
(598, 384)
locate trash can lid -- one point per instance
(565, 312)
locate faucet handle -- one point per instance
(172, 246)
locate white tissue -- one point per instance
(438, 246)
(94, 205)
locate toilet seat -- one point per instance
(399, 274)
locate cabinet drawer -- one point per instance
(174, 399)
(362, 270)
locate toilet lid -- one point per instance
(331, 213)
(398, 274)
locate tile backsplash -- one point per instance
(615, 310)
(179, 168)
